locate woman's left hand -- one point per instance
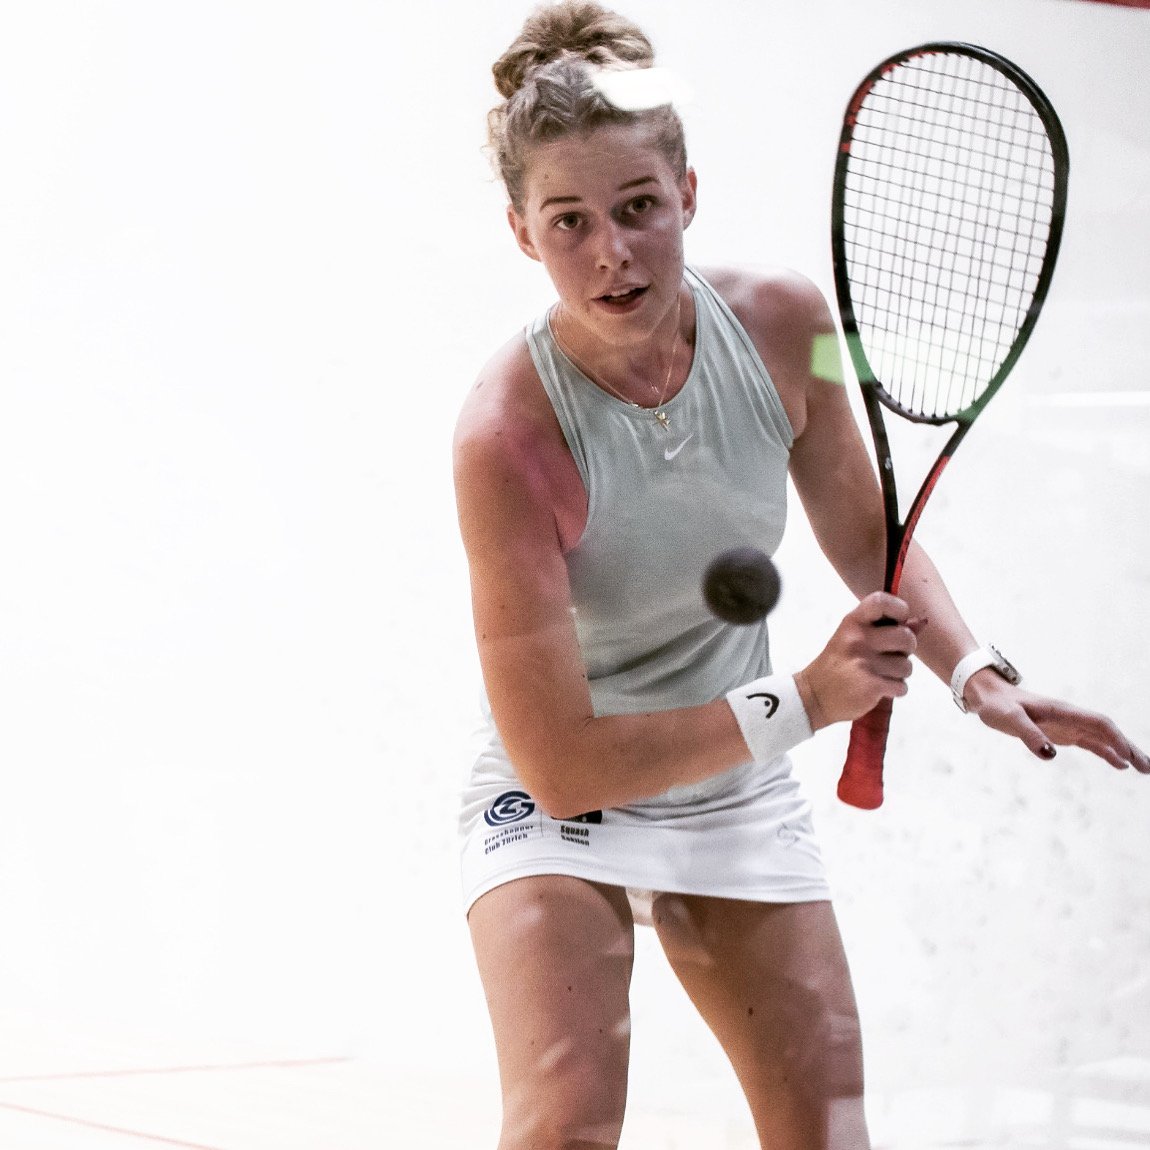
(1042, 723)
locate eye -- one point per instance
(567, 222)
(639, 205)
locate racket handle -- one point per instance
(861, 782)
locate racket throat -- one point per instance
(899, 546)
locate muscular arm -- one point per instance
(840, 493)
(570, 760)
(514, 487)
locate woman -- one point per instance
(636, 761)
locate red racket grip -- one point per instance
(860, 784)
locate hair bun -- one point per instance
(577, 28)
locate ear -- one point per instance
(522, 235)
(689, 188)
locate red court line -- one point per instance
(89, 1125)
(207, 1069)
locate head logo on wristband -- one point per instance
(771, 716)
(771, 702)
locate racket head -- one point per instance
(948, 206)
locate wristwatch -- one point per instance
(987, 656)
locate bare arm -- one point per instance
(509, 485)
(570, 760)
(840, 493)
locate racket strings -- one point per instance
(947, 210)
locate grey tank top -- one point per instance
(662, 502)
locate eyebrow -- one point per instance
(625, 187)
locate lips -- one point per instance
(621, 297)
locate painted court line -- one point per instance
(87, 1124)
(288, 1064)
(142, 1135)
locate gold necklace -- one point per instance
(658, 412)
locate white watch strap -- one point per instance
(987, 656)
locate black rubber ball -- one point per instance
(741, 585)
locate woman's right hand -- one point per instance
(866, 660)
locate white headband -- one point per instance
(640, 89)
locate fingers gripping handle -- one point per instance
(861, 782)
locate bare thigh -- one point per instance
(771, 981)
(555, 956)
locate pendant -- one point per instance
(661, 416)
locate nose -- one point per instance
(614, 248)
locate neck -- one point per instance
(642, 375)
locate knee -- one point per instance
(572, 1111)
(836, 1062)
(536, 1135)
(572, 1097)
(811, 1042)
(803, 1035)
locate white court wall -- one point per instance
(252, 258)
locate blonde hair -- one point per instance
(546, 79)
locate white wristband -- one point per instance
(771, 716)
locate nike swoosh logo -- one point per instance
(670, 452)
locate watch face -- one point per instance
(1005, 667)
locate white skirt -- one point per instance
(745, 834)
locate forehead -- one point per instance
(594, 164)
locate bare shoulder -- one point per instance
(770, 300)
(505, 420)
(510, 460)
(499, 402)
(789, 321)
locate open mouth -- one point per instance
(622, 298)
